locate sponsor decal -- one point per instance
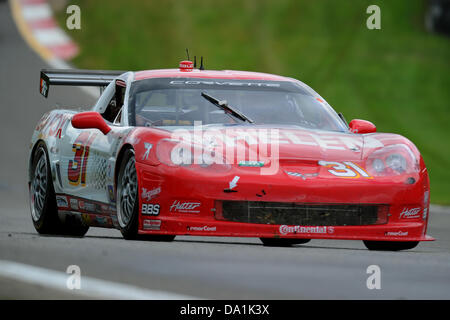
(86, 218)
(150, 209)
(148, 147)
(104, 208)
(301, 175)
(233, 183)
(185, 206)
(74, 204)
(88, 206)
(203, 228)
(244, 163)
(112, 196)
(426, 197)
(346, 169)
(410, 213)
(61, 202)
(152, 224)
(396, 233)
(101, 220)
(224, 83)
(295, 174)
(44, 88)
(150, 194)
(284, 229)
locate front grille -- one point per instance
(302, 214)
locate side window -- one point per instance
(112, 112)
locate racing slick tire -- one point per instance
(281, 242)
(128, 201)
(390, 245)
(44, 211)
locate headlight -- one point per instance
(378, 165)
(392, 160)
(396, 162)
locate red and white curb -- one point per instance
(37, 17)
(36, 24)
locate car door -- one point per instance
(87, 158)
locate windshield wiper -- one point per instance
(222, 104)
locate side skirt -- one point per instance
(86, 212)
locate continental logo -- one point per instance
(284, 229)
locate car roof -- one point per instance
(213, 74)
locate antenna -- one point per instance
(187, 53)
(201, 64)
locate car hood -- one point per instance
(284, 143)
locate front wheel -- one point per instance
(128, 201)
(281, 242)
(390, 245)
(127, 197)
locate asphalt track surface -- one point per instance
(211, 267)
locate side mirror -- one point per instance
(362, 126)
(90, 120)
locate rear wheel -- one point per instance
(128, 201)
(44, 211)
(390, 245)
(277, 242)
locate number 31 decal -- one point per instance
(76, 171)
(345, 169)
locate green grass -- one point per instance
(397, 77)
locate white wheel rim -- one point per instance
(126, 193)
(39, 187)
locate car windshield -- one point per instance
(178, 102)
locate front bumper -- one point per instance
(188, 204)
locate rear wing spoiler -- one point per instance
(75, 77)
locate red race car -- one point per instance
(221, 153)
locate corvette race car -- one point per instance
(199, 152)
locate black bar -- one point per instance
(77, 77)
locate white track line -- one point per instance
(91, 287)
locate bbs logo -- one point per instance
(150, 209)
